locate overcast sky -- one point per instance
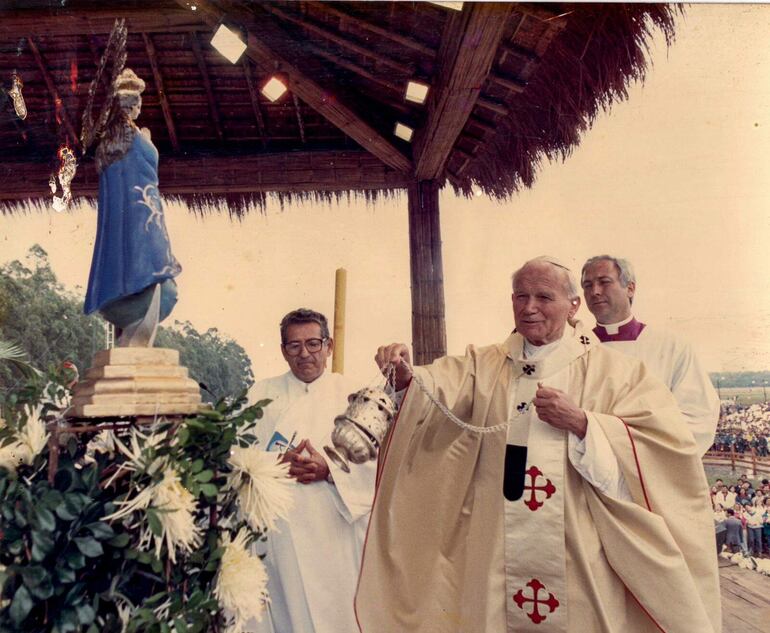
(674, 179)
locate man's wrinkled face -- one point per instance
(541, 303)
(306, 365)
(605, 297)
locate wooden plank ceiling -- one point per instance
(347, 65)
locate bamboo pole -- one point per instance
(340, 289)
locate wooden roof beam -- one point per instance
(366, 51)
(164, 105)
(330, 106)
(300, 123)
(246, 65)
(61, 109)
(69, 20)
(407, 42)
(213, 109)
(468, 48)
(355, 68)
(340, 170)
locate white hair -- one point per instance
(570, 285)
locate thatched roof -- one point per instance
(510, 85)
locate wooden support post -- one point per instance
(340, 299)
(427, 272)
(246, 65)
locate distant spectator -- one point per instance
(733, 528)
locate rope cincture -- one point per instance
(479, 430)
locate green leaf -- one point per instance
(155, 525)
(44, 590)
(86, 614)
(204, 476)
(42, 545)
(21, 605)
(101, 530)
(119, 541)
(183, 435)
(64, 513)
(33, 575)
(197, 466)
(75, 559)
(89, 546)
(45, 519)
(209, 490)
(180, 626)
(66, 575)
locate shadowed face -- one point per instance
(541, 303)
(307, 366)
(605, 297)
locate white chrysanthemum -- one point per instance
(263, 485)
(103, 442)
(30, 440)
(175, 507)
(241, 584)
(136, 459)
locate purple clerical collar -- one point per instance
(627, 332)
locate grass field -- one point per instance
(746, 395)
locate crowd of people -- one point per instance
(742, 516)
(742, 428)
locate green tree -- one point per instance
(214, 360)
(44, 319)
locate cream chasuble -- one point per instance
(451, 550)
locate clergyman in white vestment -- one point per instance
(609, 284)
(314, 555)
(566, 496)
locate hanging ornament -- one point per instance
(360, 431)
(18, 99)
(67, 167)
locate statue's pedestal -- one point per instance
(135, 381)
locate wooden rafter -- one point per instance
(213, 109)
(407, 42)
(300, 123)
(327, 105)
(95, 20)
(355, 68)
(61, 109)
(164, 105)
(246, 65)
(340, 40)
(468, 48)
(181, 175)
(492, 106)
(515, 85)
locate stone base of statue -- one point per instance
(135, 381)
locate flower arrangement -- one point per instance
(146, 529)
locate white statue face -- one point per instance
(131, 104)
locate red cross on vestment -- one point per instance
(533, 503)
(551, 602)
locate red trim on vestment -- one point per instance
(380, 467)
(647, 613)
(638, 467)
(647, 501)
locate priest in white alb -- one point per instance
(313, 556)
(609, 285)
(583, 509)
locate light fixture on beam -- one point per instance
(404, 131)
(227, 42)
(456, 6)
(274, 88)
(416, 91)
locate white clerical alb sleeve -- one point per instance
(594, 459)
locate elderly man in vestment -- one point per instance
(584, 510)
(609, 285)
(313, 556)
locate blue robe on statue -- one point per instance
(132, 252)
